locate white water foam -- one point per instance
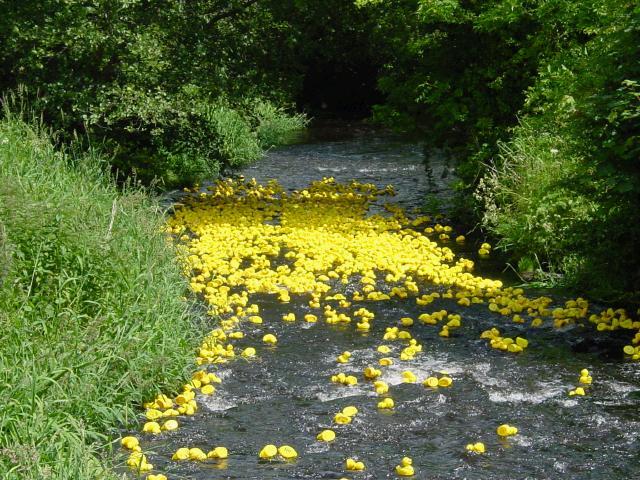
(217, 403)
(331, 169)
(544, 392)
(338, 392)
(422, 367)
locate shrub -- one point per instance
(274, 125)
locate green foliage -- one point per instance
(566, 187)
(139, 77)
(236, 143)
(561, 186)
(458, 70)
(91, 318)
(534, 179)
(273, 125)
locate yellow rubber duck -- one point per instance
(477, 447)
(197, 454)
(465, 302)
(249, 352)
(506, 430)
(326, 436)
(130, 442)
(391, 333)
(405, 469)
(350, 411)
(445, 381)
(268, 452)
(151, 427)
(381, 387)
(181, 454)
(344, 357)
(363, 326)
(153, 414)
(354, 465)
(406, 321)
(586, 380)
(386, 404)
(138, 461)
(371, 373)
(270, 339)
(219, 453)
(170, 425)
(287, 452)
(207, 389)
(431, 382)
(585, 377)
(351, 380)
(409, 377)
(454, 322)
(404, 335)
(342, 419)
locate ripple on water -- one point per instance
(422, 368)
(218, 402)
(545, 392)
(285, 395)
(331, 169)
(339, 392)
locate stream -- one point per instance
(285, 395)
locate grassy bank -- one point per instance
(563, 194)
(91, 316)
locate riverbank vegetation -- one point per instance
(92, 316)
(174, 92)
(538, 100)
(541, 102)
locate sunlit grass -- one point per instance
(91, 317)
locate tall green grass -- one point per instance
(558, 214)
(92, 320)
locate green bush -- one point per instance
(141, 79)
(274, 125)
(529, 200)
(566, 187)
(237, 145)
(92, 320)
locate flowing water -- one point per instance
(285, 396)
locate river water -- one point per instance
(285, 395)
